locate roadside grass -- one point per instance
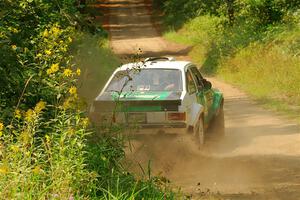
(200, 30)
(263, 61)
(269, 75)
(105, 157)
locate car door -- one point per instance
(192, 107)
(204, 95)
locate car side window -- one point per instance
(198, 77)
(191, 87)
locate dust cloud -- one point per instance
(96, 61)
(178, 158)
(196, 171)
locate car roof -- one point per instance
(157, 63)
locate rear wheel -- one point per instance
(199, 132)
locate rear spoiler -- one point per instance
(108, 106)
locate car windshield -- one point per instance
(146, 80)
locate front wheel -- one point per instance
(199, 132)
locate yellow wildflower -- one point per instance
(70, 39)
(3, 170)
(67, 72)
(48, 52)
(49, 71)
(78, 72)
(40, 106)
(2, 35)
(54, 68)
(1, 126)
(45, 33)
(36, 170)
(55, 30)
(25, 137)
(29, 115)
(67, 104)
(73, 90)
(15, 148)
(71, 132)
(47, 139)
(14, 30)
(18, 114)
(14, 47)
(64, 49)
(85, 122)
(39, 55)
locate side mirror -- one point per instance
(207, 84)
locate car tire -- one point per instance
(199, 133)
(218, 125)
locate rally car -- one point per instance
(162, 94)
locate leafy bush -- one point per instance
(43, 133)
(178, 12)
(33, 37)
(262, 12)
(265, 11)
(44, 151)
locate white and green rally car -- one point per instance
(161, 94)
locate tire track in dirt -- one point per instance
(258, 159)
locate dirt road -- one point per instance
(130, 26)
(258, 159)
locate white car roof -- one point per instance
(157, 64)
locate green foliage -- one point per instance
(265, 11)
(202, 29)
(262, 12)
(44, 151)
(42, 167)
(43, 135)
(25, 50)
(178, 12)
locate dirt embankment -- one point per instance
(258, 159)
